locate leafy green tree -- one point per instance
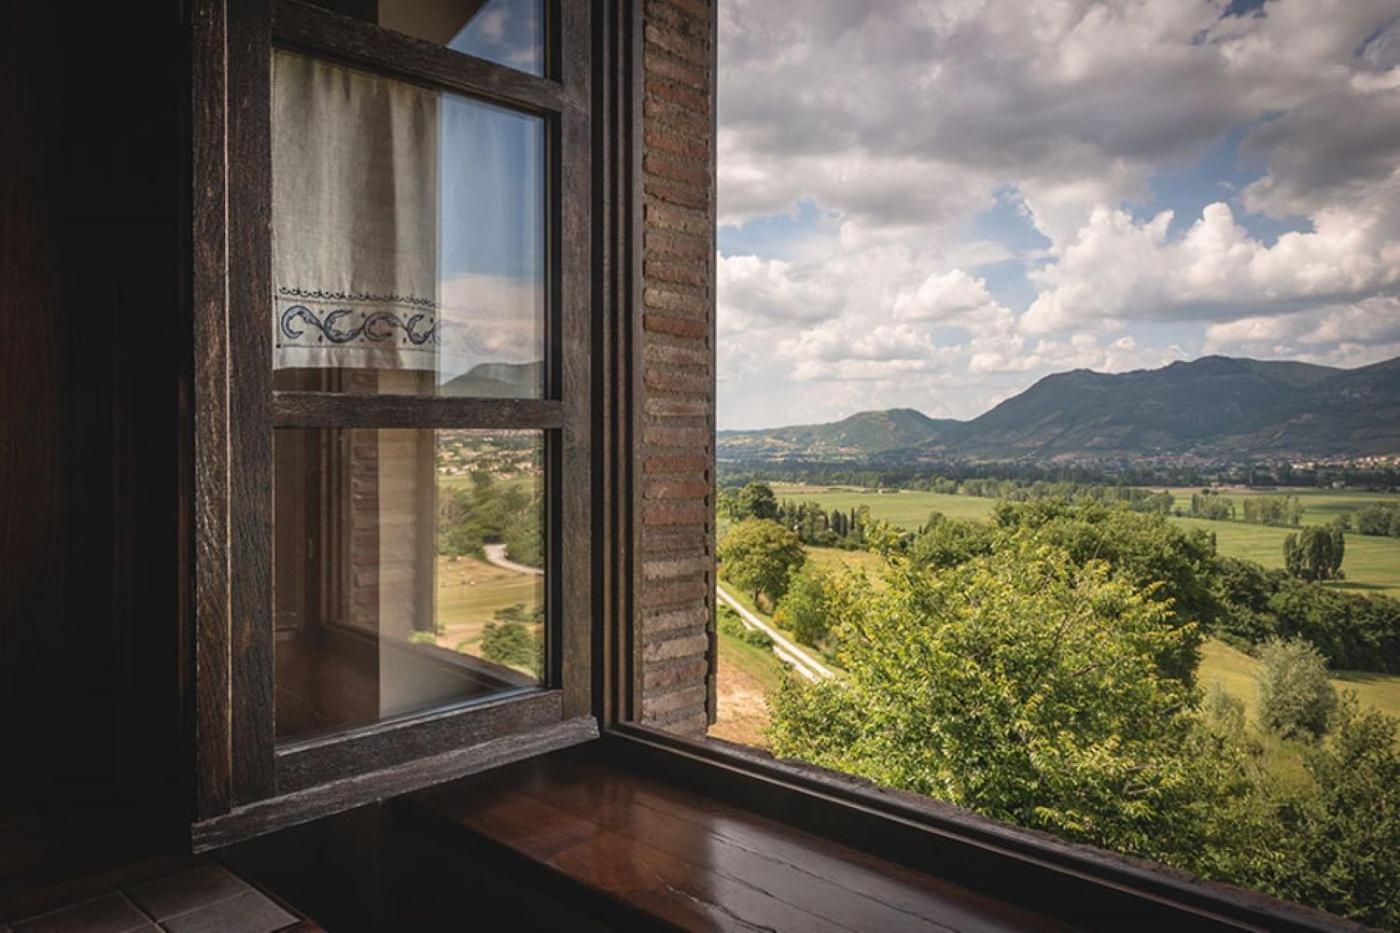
(1296, 699)
(947, 542)
(760, 555)
(756, 500)
(807, 606)
(1027, 687)
(1345, 833)
(1315, 553)
(1173, 566)
(513, 645)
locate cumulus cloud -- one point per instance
(1117, 268)
(903, 121)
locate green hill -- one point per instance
(1212, 408)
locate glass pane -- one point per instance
(408, 238)
(409, 572)
(507, 32)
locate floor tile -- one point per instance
(246, 913)
(111, 913)
(187, 890)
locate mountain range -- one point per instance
(1214, 408)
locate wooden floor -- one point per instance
(657, 852)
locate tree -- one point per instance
(1315, 553)
(513, 645)
(1347, 832)
(760, 555)
(756, 500)
(1026, 687)
(1296, 699)
(808, 604)
(1173, 566)
(947, 542)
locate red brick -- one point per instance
(697, 356)
(677, 539)
(680, 327)
(662, 216)
(676, 271)
(674, 118)
(676, 463)
(679, 567)
(687, 646)
(685, 698)
(672, 619)
(673, 405)
(667, 39)
(679, 380)
(690, 147)
(667, 513)
(697, 102)
(688, 246)
(661, 674)
(676, 193)
(692, 486)
(686, 723)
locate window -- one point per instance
(1039, 495)
(393, 396)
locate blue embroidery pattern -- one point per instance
(376, 327)
(319, 295)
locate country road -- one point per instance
(800, 661)
(496, 554)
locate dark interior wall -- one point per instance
(92, 348)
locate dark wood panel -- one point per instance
(323, 800)
(209, 201)
(317, 410)
(306, 764)
(573, 247)
(249, 400)
(689, 860)
(356, 42)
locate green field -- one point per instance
(1320, 506)
(469, 594)
(1238, 675)
(906, 508)
(1371, 565)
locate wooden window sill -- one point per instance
(647, 850)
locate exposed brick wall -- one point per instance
(676, 597)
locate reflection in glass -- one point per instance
(409, 572)
(507, 32)
(408, 238)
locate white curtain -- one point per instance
(355, 219)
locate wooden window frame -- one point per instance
(321, 777)
(246, 782)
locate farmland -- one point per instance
(1372, 564)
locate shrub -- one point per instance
(1296, 699)
(730, 624)
(759, 555)
(806, 608)
(513, 645)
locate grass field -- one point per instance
(1371, 565)
(1238, 675)
(903, 507)
(1320, 506)
(469, 594)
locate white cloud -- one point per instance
(1350, 335)
(902, 121)
(1117, 268)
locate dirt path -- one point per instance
(743, 708)
(802, 662)
(496, 554)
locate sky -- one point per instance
(934, 204)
